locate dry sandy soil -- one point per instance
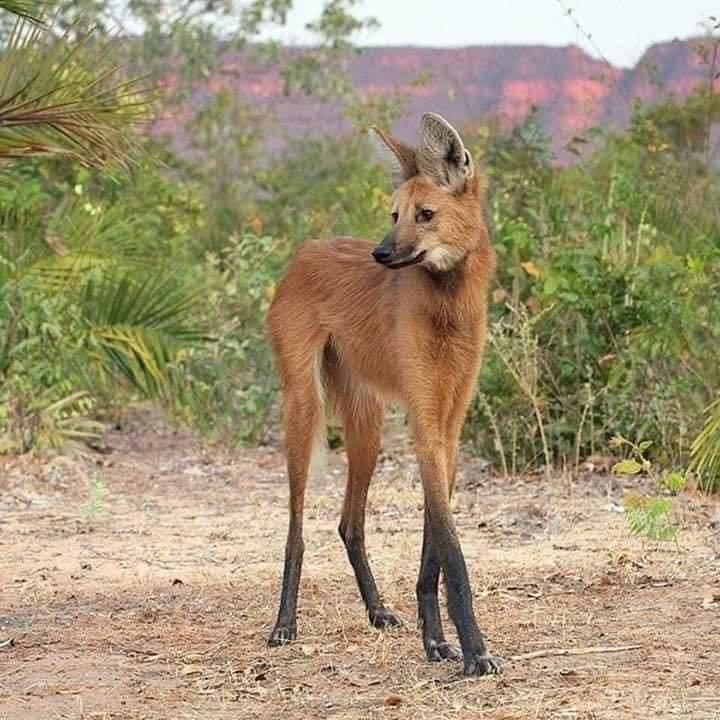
(156, 602)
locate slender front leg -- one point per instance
(433, 468)
(436, 647)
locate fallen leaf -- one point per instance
(392, 701)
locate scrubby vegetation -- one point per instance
(152, 282)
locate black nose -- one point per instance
(381, 254)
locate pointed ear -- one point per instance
(399, 158)
(441, 155)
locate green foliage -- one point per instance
(605, 312)
(230, 384)
(25, 9)
(323, 188)
(93, 309)
(610, 264)
(648, 515)
(705, 451)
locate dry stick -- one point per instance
(554, 652)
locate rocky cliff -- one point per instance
(573, 90)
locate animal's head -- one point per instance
(436, 204)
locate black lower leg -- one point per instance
(476, 659)
(286, 624)
(436, 647)
(378, 614)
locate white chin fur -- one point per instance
(441, 258)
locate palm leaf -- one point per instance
(26, 9)
(138, 325)
(77, 242)
(64, 98)
(58, 272)
(705, 450)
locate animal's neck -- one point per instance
(466, 276)
(449, 282)
(459, 294)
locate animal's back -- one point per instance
(335, 294)
(331, 271)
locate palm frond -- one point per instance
(28, 10)
(705, 450)
(64, 98)
(138, 326)
(78, 240)
(102, 229)
(58, 272)
(157, 301)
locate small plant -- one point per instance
(94, 507)
(647, 514)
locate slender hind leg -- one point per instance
(362, 415)
(303, 421)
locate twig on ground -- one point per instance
(555, 652)
(138, 651)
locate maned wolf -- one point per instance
(355, 326)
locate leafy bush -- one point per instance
(94, 306)
(606, 299)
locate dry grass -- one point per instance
(160, 608)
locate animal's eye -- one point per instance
(395, 217)
(426, 214)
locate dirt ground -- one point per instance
(154, 601)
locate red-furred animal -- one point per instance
(354, 326)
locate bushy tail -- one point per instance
(318, 455)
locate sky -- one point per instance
(621, 29)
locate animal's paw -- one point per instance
(438, 651)
(482, 664)
(383, 618)
(282, 634)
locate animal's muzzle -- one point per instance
(382, 254)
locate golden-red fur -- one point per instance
(355, 333)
